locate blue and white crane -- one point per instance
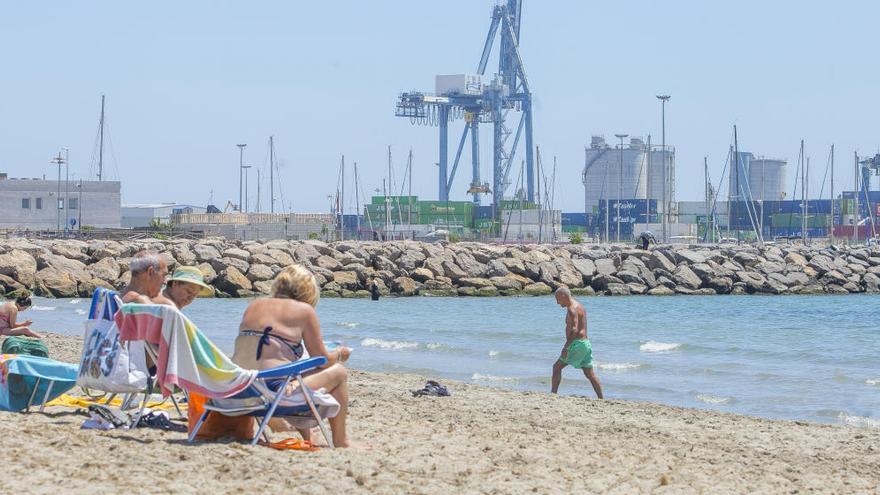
(477, 100)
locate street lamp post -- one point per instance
(663, 99)
(241, 148)
(245, 168)
(66, 188)
(59, 201)
(619, 182)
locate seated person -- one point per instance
(276, 330)
(9, 315)
(185, 284)
(148, 272)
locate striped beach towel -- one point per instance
(186, 358)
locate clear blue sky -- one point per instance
(186, 81)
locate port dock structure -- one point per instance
(476, 100)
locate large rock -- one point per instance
(661, 290)
(205, 253)
(688, 256)
(475, 282)
(794, 258)
(404, 286)
(60, 263)
(281, 257)
(327, 263)
(422, 275)
(104, 269)
(871, 282)
(506, 283)
(605, 266)
(753, 281)
(221, 264)
(537, 289)
(453, 271)
(54, 282)
(686, 277)
(410, 260)
(514, 265)
(10, 286)
(568, 274)
(496, 269)
(259, 273)
(19, 265)
(630, 277)
(237, 253)
(721, 285)
(585, 266)
(346, 279)
(72, 250)
(232, 282)
(617, 290)
(600, 283)
(657, 260)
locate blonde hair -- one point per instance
(296, 282)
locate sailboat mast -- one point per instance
(736, 181)
(101, 145)
(832, 194)
(342, 204)
(271, 174)
(409, 186)
(357, 201)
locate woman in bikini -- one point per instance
(9, 325)
(278, 329)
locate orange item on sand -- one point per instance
(292, 444)
(217, 425)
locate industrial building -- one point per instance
(628, 172)
(41, 204)
(252, 226)
(145, 215)
(757, 178)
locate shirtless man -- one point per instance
(148, 272)
(577, 351)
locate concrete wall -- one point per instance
(99, 205)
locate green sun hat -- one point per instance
(192, 275)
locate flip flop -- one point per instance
(291, 444)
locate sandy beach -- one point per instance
(480, 440)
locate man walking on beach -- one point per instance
(577, 351)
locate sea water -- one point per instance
(793, 357)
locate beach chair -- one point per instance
(185, 358)
(111, 366)
(24, 378)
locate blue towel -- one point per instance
(18, 377)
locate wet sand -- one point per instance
(480, 440)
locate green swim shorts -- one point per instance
(580, 354)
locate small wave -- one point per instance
(651, 346)
(348, 324)
(434, 346)
(875, 381)
(860, 421)
(389, 344)
(43, 308)
(477, 377)
(80, 311)
(713, 399)
(494, 354)
(75, 301)
(618, 366)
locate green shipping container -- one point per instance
(462, 208)
(794, 220)
(380, 200)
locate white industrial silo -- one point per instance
(614, 173)
(767, 178)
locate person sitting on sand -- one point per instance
(277, 329)
(148, 272)
(9, 325)
(185, 284)
(577, 350)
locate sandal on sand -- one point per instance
(433, 389)
(291, 444)
(108, 415)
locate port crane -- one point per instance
(483, 101)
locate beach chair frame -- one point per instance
(268, 400)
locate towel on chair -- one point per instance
(186, 358)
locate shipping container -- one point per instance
(380, 200)
(447, 207)
(789, 220)
(579, 219)
(459, 84)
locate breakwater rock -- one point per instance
(73, 268)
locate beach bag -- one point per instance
(24, 345)
(108, 364)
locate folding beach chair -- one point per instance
(24, 379)
(187, 359)
(112, 366)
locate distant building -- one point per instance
(36, 203)
(639, 176)
(142, 215)
(757, 179)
